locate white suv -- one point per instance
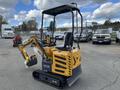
(118, 36)
(101, 36)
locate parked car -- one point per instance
(7, 31)
(85, 37)
(101, 36)
(118, 37)
(59, 35)
(35, 32)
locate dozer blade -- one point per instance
(32, 61)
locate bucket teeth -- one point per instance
(26, 64)
(31, 62)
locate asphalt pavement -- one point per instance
(100, 69)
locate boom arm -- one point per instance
(31, 40)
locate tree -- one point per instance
(107, 22)
(2, 21)
(95, 25)
(24, 26)
(32, 25)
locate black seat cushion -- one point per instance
(68, 42)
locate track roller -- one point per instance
(51, 79)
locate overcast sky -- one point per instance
(17, 11)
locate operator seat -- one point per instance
(68, 42)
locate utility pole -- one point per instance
(76, 16)
(86, 23)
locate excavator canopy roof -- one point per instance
(60, 9)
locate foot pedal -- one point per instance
(33, 61)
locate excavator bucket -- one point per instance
(32, 61)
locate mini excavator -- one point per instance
(61, 66)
